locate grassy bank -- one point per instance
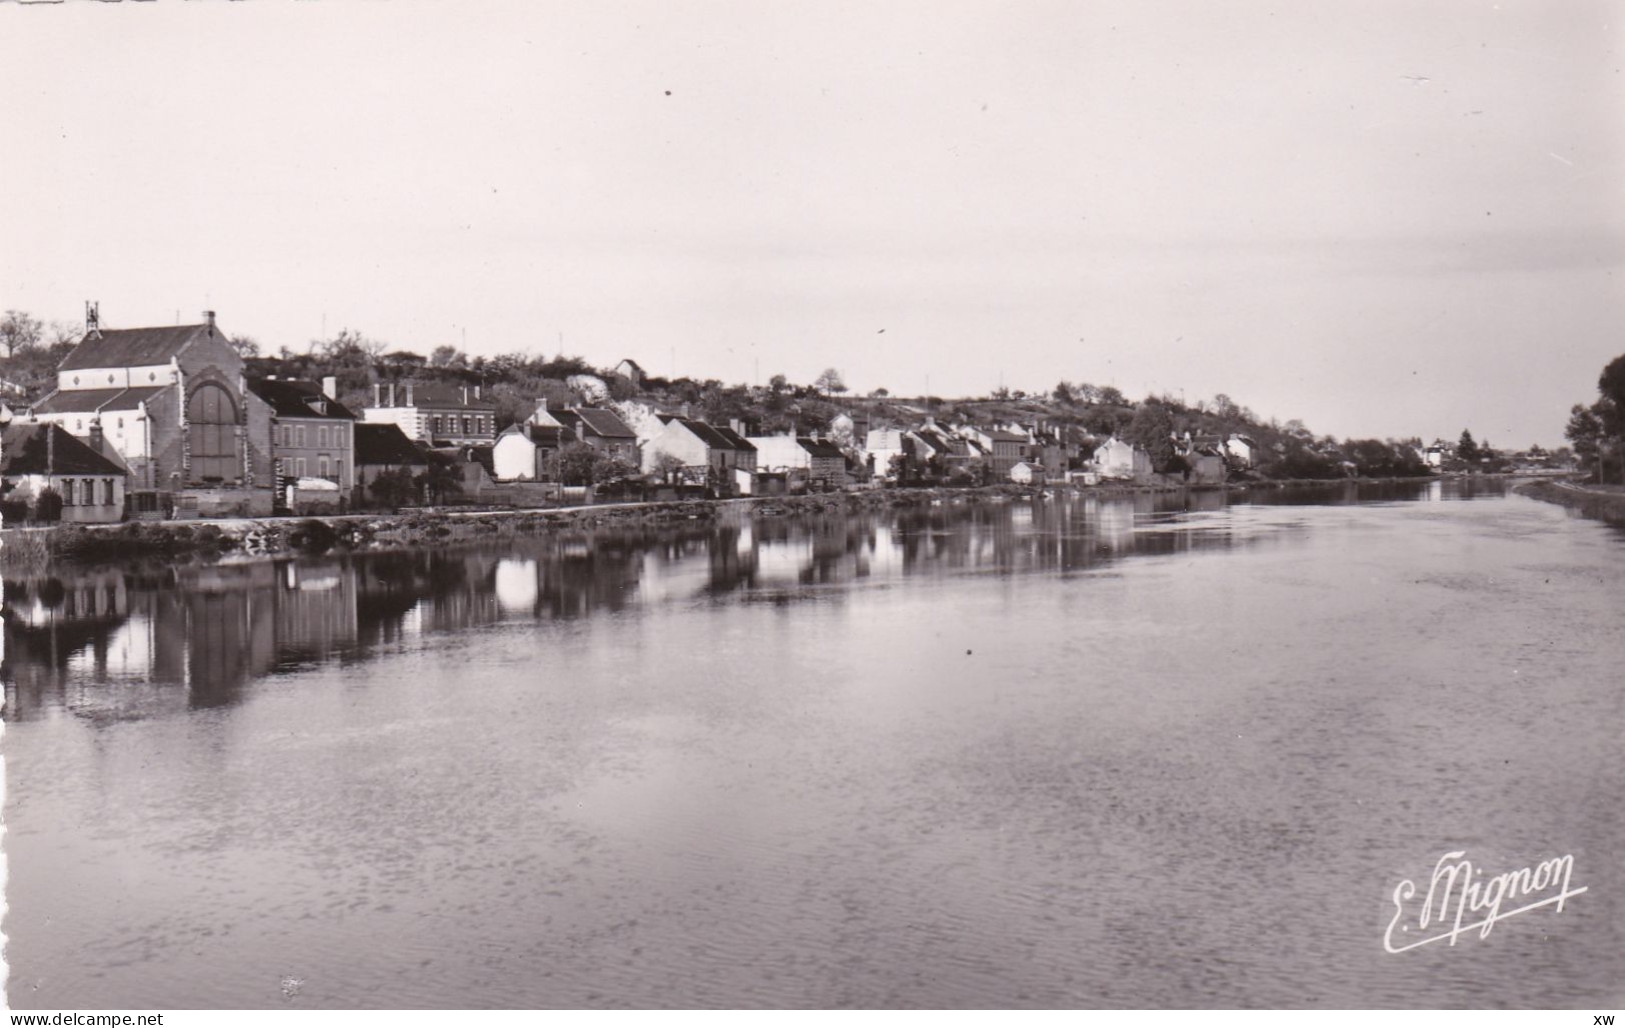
(1603, 505)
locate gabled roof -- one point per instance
(598, 422)
(133, 347)
(707, 434)
(86, 401)
(295, 398)
(45, 448)
(546, 435)
(1001, 435)
(385, 444)
(735, 440)
(821, 448)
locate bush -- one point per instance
(313, 536)
(48, 507)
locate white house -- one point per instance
(1120, 460)
(1242, 448)
(522, 452)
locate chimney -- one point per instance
(98, 440)
(377, 395)
(465, 396)
(330, 386)
(208, 319)
(392, 394)
(409, 402)
(477, 391)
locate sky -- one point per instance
(1382, 218)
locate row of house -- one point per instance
(170, 417)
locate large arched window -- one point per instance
(212, 424)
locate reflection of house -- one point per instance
(525, 452)
(434, 413)
(35, 456)
(382, 450)
(311, 433)
(173, 405)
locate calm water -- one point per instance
(1147, 752)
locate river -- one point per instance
(1153, 751)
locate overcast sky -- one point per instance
(1386, 219)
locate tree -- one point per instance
(666, 466)
(440, 480)
(394, 489)
(1113, 396)
(246, 346)
(1063, 392)
(829, 382)
(48, 506)
(19, 331)
(1466, 449)
(575, 463)
(1152, 430)
(447, 357)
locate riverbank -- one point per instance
(34, 548)
(1600, 504)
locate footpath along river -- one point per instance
(1158, 751)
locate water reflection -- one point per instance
(120, 643)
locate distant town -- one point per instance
(105, 424)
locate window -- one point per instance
(468, 425)
(321, 465)
(299, 468)
(437, 428)
(212, 428)
(107, 492)
(89, 492)
(321, 436)
(299, 436)
(67, 492)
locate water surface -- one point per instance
(1155, 751)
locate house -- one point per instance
(699, 453)
(434, 414)
(172, 402)
(40, 455)
(312, 434)
(630, 370)
(526, 452)
(1243, 449)
(383, 450)
(1116, 459)
(597, 427)
(1026, 473)
(744, 453)
(819, 461)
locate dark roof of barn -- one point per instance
(443, 396)
(821, 448)
(296, 398)
(132, 347)
(385, 444)
(45, 448)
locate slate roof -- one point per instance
(43, 448)
(598, 421)
(440, 395)
(295, 398)
(708, 434)
(385, 444)
(86, 401)
(735, 440)
(821, 448)
(132, 347)
(547, 435)
(1000, 435)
